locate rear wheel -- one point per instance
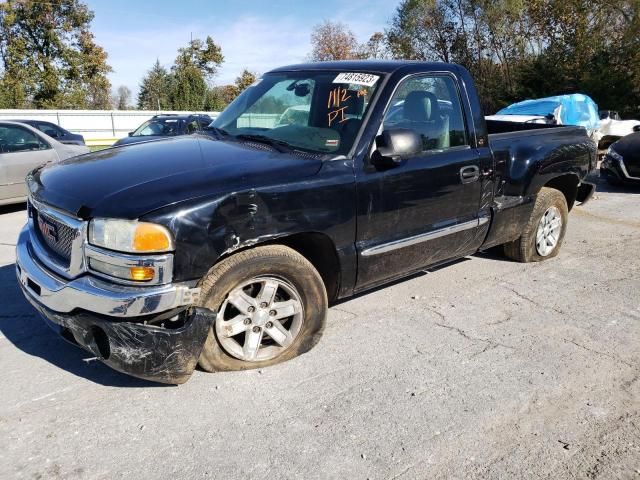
(543, 235)
(271, 305)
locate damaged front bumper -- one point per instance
(151, 332)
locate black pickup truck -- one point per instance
(318, 182)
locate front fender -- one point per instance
(206, 230)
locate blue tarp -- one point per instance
(575, 109)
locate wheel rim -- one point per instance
(548, 233)
(259, 319)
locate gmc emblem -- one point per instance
(48, 230)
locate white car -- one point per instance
(23, 148)
(613, 129)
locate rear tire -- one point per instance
(544, 232)
(254, 292)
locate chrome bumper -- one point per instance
(93, 294)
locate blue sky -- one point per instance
(255, 34)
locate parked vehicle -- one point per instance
(55, 131)
(161, 126)
(613, 128)
(609, 115)
(621, 163)
(23, 148)
(575, 109)
(225, 249)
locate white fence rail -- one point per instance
(99, 127)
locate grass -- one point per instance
(95, 148)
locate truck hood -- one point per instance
(132, 181)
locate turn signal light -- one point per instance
(151, 238)
(141, 274)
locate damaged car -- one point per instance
(318, 182)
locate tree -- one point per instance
(375, 48)
(188, 88)
(122, 98)
(333, 41)
(245, 80)
(206, 56)
(214, 101)
(154, 89)
(518, 49)
(194, 65)
(48, 56)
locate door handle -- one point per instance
(469, 174)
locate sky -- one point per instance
(254, 34)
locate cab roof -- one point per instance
(379, 66)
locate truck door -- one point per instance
(425, 209)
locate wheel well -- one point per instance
(568, 185)
(321, 252)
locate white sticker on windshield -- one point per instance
(356, 78)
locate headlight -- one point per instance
(130, 236)
(613, 154)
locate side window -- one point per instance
(192, 127)
(50, 130)
(430, 106)
(15, 139)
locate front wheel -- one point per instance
(271, 305)
(543, 235)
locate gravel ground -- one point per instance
(482, 369)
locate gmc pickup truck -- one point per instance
(319, 181)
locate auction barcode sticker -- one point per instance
(356, 78)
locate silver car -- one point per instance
(23, 148)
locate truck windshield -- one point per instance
(319, 112)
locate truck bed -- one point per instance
(499, 126)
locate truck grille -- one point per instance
(54, 235)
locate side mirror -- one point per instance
(636, 128)
(130, 134)
(395, 145)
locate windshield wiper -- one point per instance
(280, 145)
(218, 132)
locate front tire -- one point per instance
(544, 233)
(271, 304)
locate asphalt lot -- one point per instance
(483, 369)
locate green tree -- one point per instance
(194, 66)
(245, 80)
(154, 89)
(214, 101)
(48, 56)
(205, 55)
(188, 88)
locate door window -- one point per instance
(192, 127)
(50, 130)
(16, 139)
(429, 105)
